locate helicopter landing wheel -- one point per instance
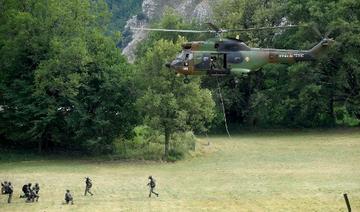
(186, 80)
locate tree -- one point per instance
(167, 104)
(63, 84)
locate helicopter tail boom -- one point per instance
(293, 56)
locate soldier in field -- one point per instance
(9, 190)
(3, 187)
(88, 186)
(36, 190)
(152, 186)
(26, 189)
(30, 196)
(33, 194)
(68, 197)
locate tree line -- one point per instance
(63, 82)
(324, 93)
(64, 85)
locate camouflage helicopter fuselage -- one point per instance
(219, 57)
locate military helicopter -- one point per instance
(220, 56)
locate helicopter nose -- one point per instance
(172, 64)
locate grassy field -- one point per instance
(272, 171)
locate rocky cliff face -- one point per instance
(200, 10)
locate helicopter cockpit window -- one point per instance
(181, 56)
(189, 56)
(184, 56)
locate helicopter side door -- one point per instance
(211, 63)
(218, 64)
(202, 61)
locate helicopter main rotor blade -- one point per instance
(328, 33)
(215, 30)
(261, 28)
(315, 28)
(173, 30)
(213, 27)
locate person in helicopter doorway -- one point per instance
(212, 63)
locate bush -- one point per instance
(97, 146)
(148, 144)
(175, 155)
(183, 141)
(344, 118)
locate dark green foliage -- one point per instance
(148, 144)
(122, 10)
(175, 155)
(170, 20)
(319, 94)
(63, 82)
(65, 86)
(165, 102)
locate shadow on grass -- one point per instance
(258, 132)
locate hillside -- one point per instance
(121, 11)
(198, 10)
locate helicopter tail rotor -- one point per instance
(315, 28)
(324, 36)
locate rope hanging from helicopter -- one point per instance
(223, 107)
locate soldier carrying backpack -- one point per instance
(152, 185)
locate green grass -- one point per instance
(271, 171)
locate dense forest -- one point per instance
(325, 93)
(64, 85)
(121, 11)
